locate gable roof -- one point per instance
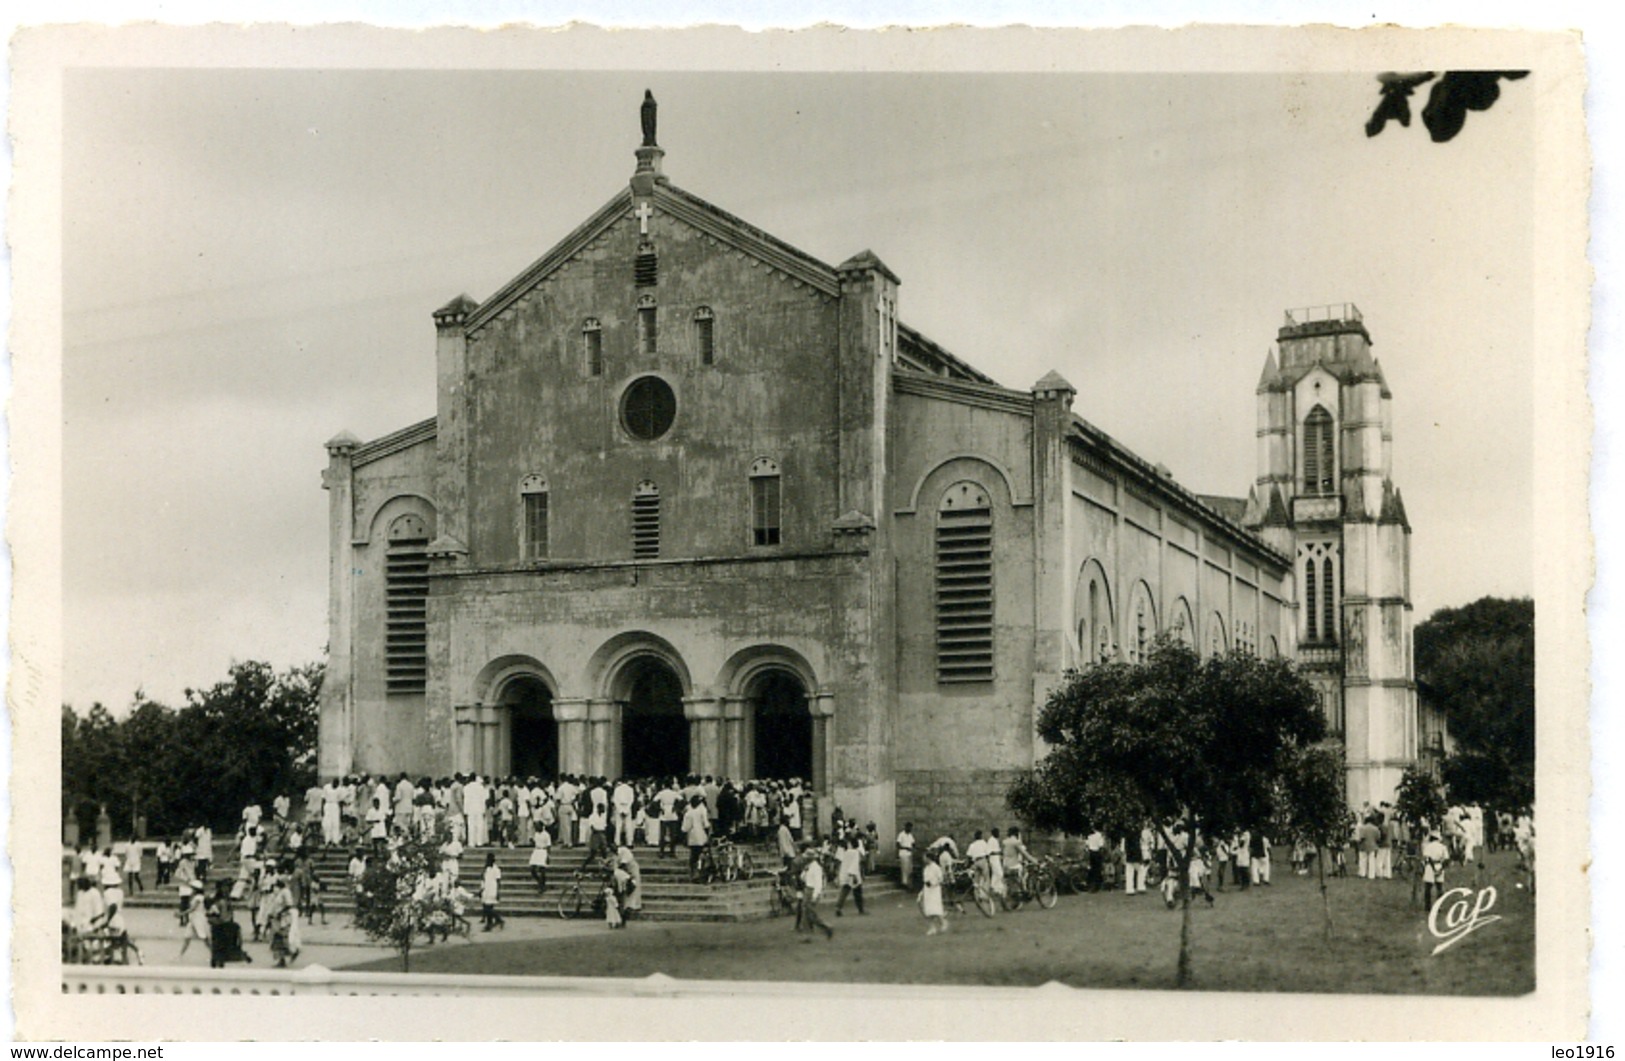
(682, 206)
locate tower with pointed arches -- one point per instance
(1325, 496)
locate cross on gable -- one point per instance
(643, 214)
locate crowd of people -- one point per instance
(275, 881)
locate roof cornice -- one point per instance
(561, 252)
(394, 442)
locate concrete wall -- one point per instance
(534, 409)
(942, 729)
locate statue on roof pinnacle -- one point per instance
(648, 116)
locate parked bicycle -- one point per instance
(1036, 885)
(585, 892)
(723, 860)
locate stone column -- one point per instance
(336, 714)
(465, 741)
(822, 708)
(704, 714)
(490, 732)
(736, 743)
(605, 718)
(570, 713)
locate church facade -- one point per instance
(696, 502)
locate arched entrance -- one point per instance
(533, 735)
(783, 727)
(654, 732)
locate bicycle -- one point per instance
(585, 892)
(722, 860)
(1036, 885)
(785, 898)
(962, 884)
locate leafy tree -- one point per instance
(1177, 740)
(1314, 805)
(1477, 664)
(1451, 97)
(244, 739)
(1420, 805)
(403, 895)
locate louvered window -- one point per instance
(406, 606)
(964, 586)
(646, 521)
(647, 335)
(533, 495)
(705, 335)
(1319, 461)
(645, 267)
(1311, 618)
(1328, 600)
(764, 501)
(592, 338)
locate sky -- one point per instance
(251, 258)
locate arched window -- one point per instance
(1319, 458)
(1328, 599)
(1183, 625)
(705, 335)
(592, 341)
(964, 585)
(1216, 636)
(1311, 616)
(647, 333)
(1093, 605)
(406, 606)
(1143, 616)
(533, 500)
(646, 521)
(764, 501)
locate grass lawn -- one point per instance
(1265, 939)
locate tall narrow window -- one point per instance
(764, 501)
(645, 267)
(646, 325)
(1319, 464)
(646, 521)
(1328, 626)
(1311, 617)
(406, 606)
(533, 496)
(592, 341)
(964, 583)
(705, 335)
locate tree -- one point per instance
(243, 740)
(1420, 805)
(403, 894)
(1477, 664)
(1185, 743)
(1451, 97)
(1314, 806)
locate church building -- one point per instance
(696, 502)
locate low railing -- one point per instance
(1335, 311)
(317, 980)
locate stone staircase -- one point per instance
(668, 892)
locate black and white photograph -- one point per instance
(1040, 517)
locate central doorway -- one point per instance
(533, 735)
(654, 732)
(784, 727)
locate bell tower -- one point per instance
(1325, 496)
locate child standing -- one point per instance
(490, 892)
(930, 898)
